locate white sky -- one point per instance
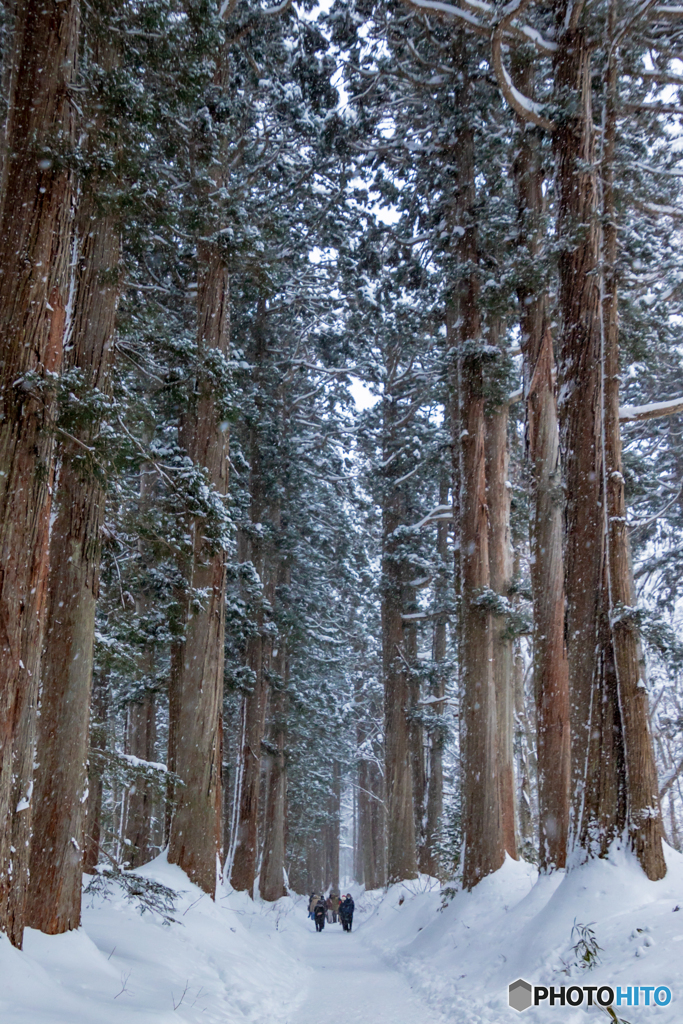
(362, 395)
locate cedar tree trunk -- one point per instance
(35, 251)
(401, 860)
(139, 800)
(597, 753)
(54, 901)
(99, 707)
(484, 848)
(245, 863)
(272, 885)
(644, 823)
(551, 671)
(500, 568)
(438, 693)
(195, 840)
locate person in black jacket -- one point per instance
(319, 912)
(346, 909)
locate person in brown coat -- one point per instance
(314, 897)
(333, 902)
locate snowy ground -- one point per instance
(408, 960)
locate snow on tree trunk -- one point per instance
(35, 251)
(500, 562)
(54, 901)
(196, 828)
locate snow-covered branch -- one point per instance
(438, 513)
(657, 210)
(442, 10)
(527, 108)
(653, 411)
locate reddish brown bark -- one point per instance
(55, 889)
(35, 248)
(643, 813)
(484, 849)
(551, 672)
(597, 751)
(551, 675)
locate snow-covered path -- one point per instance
(411, 959)
(350, 984)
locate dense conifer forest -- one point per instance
(341, 442)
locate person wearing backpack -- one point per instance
(313, 899)
(346, 910)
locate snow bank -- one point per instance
(411, 957)
(462, 957)
(223, 962)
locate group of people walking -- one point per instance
(335, 906)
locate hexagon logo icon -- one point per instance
(519, 995)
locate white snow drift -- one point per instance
(412, 958)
